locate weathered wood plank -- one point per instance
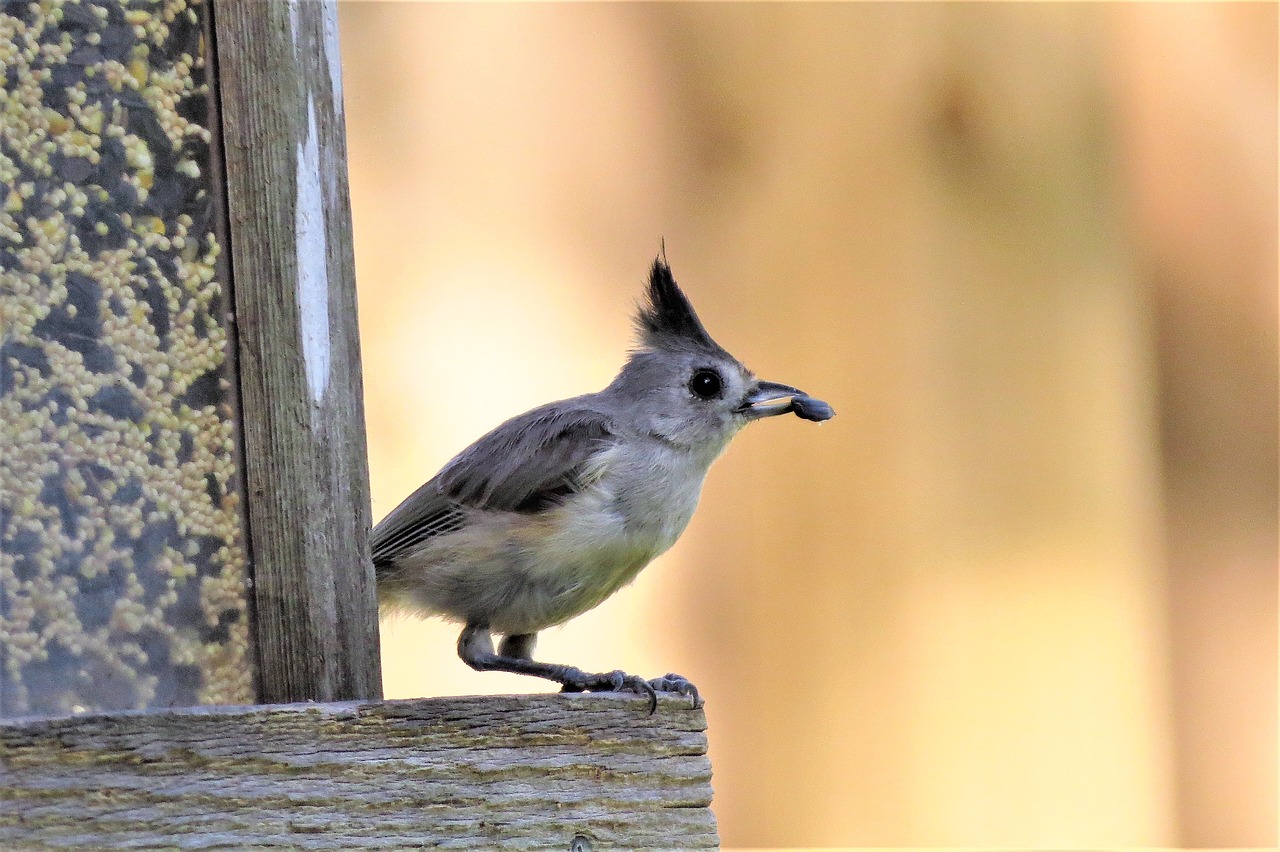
(511, 772)
(279, 87)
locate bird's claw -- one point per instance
(620, 681)
(672, 682)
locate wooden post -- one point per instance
(529, 772)
(279, 85)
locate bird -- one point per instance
(556, 509)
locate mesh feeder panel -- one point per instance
(123, 569)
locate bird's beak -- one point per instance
(767, 399)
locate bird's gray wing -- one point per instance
(528, 464)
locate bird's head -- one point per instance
(684, 387)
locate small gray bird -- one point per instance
(556, 509)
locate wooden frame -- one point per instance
(514, 772)
(293, 273)
(543, 771)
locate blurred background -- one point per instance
(1023, 590)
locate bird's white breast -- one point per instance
(637, 502)
(520, 573)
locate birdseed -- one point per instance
(123, 572)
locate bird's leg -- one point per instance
(518, 646)
(515, 654)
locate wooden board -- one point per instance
(306, 478)
(510, 772)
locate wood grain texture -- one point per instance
(510, 772)
(306, 476)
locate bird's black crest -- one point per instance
(665, 318)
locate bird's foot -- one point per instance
(620, 681)
(672, 682)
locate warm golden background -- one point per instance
(1022, 591)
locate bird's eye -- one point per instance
(705, 384)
